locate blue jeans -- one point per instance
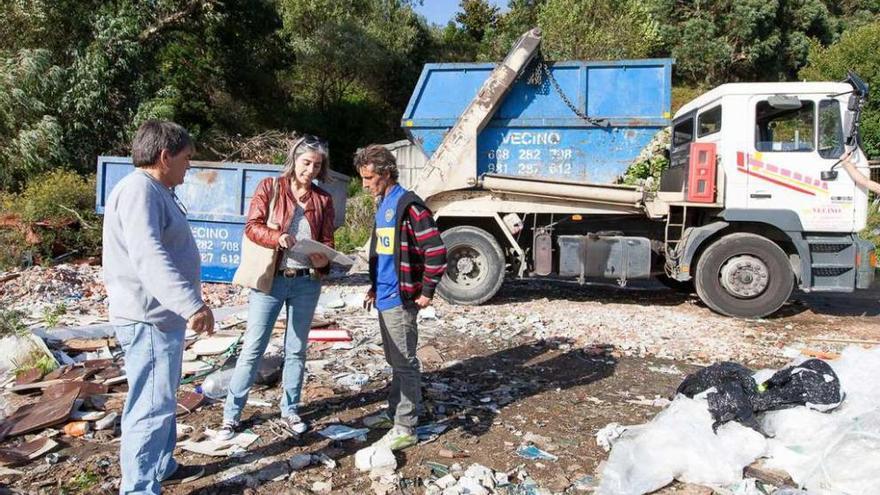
(149, 429)
(301, 297)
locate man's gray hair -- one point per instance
(382, 160)
(153, 136)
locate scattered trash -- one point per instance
(300, 461)
(258, 403)
(342, 432)
(353, 380)
(679, 443)
(376, 459)
(220, 448)
(533, 453)
(586, 484)
(329, 335)
(188, 402)
(430, 432)
(216, 385)
(212, 346)
(668, 370)
(76, 428)
(325, 460)
(608, 434)
(46, 412)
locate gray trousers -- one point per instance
(400, 339)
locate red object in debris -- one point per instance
(329, 335)
(76, 428)
(701, 173)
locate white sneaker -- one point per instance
(398, 438)
(227, 430)
(295, 424)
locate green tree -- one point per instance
(857, 50)
(476, 17)
(356, 62)
(748, 40)
(521, 15)
(596, 29)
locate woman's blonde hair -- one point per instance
(302, 145)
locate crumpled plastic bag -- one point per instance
(838, 452)
(679, 443)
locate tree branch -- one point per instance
(174, 18)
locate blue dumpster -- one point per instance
(216, 196)
(534, 133)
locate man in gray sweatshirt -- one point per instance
(151, 270)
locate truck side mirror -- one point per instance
(853, 103)
(828, 175)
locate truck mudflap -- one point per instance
(866, 263)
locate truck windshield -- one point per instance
(784, 129)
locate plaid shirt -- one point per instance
(419, 252)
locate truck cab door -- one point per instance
(796, 138)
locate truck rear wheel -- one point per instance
(474, 266)
(744, 275)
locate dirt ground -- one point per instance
(545, 361)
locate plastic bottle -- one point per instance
(216, 385)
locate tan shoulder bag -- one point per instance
(257, 267)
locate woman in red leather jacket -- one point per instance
(302, 211)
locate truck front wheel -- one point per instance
(744, 275)
(474, 266)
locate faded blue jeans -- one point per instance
(300, 294)
(149, 429)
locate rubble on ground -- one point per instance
(515, 390)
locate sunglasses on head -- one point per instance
(313, 141)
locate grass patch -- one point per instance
(52, 314)
(12, 323)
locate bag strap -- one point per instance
(272, 201)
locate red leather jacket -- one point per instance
(319, 213)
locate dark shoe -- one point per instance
(184, 474)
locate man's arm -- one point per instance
(427, 236)
(141, 217)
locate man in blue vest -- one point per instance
(407, 261)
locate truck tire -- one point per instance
(474, 266)
(744, 275)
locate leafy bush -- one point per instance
(857, 50)
(359, 212)
(56, 215)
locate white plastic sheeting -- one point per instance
(838, 452)
(827, 453)
(679, 444)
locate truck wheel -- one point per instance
(744, 275)
(474, 266)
